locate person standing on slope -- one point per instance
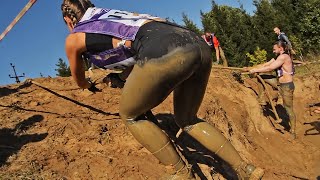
(285, 71)
(213, 42)
(283, 37)
(157, 57)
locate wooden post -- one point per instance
(230, 68)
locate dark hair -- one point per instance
(284, 45)
(75, 9)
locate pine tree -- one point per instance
(63, 69)
(233, 28)
(310, 26)
(190, 24)
(264, 20)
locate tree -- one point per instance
(310, 26)
(233, 28)
(63, 69)
(190, 25)
(264, 20)
(258, 57)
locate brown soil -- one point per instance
(58, 131)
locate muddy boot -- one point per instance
(183, 174)
(292, 123)
(249, 172)
(292, 132)
(157, 142)
(213, 140)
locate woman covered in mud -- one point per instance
(157, 58)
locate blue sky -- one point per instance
(36, 42)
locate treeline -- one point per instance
(240, 33)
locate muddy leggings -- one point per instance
(171, 59)
(286, 91)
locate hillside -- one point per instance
(51, 129)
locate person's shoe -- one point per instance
(250, 172)
(257, 174)
(293, 134)
(183, 174)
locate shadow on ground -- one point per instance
(12, 140)
(5, 91)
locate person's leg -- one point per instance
(286, 91)
(187, 100)
(146, 87)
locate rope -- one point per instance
(17, 18)
(180, 159)
(161, 148)
(42, 86)
(74, 101)
(221, 147)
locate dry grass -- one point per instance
(310, 68)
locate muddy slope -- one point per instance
(57, 131)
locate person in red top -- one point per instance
(213, 42)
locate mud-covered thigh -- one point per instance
(151, 82)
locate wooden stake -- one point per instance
(230, 68)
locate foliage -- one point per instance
(308, 69)
(232, 26)
(63, 69)
(240, 33)
(296, 44)
(310, 26)
(264, 20)
(300, 19)
(190, 25)
(259, 56)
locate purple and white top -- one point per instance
(116, 23)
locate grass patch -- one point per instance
(308, 69)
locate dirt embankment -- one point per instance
(61, 132)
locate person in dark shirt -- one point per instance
(283, 37)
